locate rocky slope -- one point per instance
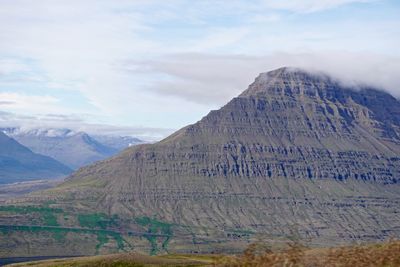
(295, 155)
(18, 163)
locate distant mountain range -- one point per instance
(118, 143)
(74, 149)
(18, 163)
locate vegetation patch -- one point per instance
(92, 223)
(49, 219)
(102, 238)
(155, 229)
(29, 209)
(48, 215)
(95, 220)
(59, 236)
(59, 233)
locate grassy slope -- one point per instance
(125, 260)
(57, 232)
(372, 255)
(379, 255)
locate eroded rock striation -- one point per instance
(291, 135)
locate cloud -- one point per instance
(214, 79)
(17, 101)
(150, 134)
(10, 66)
(7, 103)
(71, 43)
(309, 6)
(76, 123)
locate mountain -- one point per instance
(116, 142)
(18, 163)
(74, 149)
(296, 155)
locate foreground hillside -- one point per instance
(127, 260)
(373, 255)
(376, 255)
(296, 154)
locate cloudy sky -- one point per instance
(153, 66)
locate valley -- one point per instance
(8, 191)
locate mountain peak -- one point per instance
(290, 73)
(290, 81)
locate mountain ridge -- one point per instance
(19, 163)
(73, 148)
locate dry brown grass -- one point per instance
(386, 254)
(295, 255)
(257, 255)
(121, 260)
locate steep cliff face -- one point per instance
(287, 124)
(295, 152)
(291, 135)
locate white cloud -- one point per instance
(76, 123)
(10, 66)
(22, 102)
(189, 76)
(308, 6)
(220, 37)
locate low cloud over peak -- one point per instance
(209, 78)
